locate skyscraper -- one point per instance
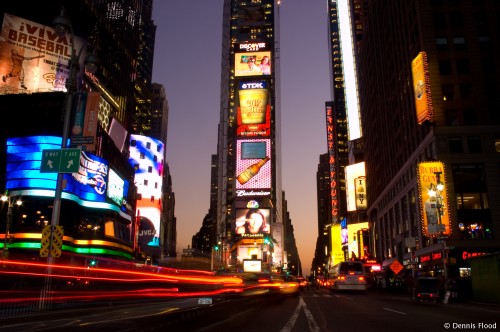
(249, 177)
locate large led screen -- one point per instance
(252, 59)
(146, 156)
(117, 189)
(33, 58)
(253, 173)
(253, 114)
(252, 221)
(87, 187)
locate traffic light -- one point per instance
(92, 263)
(216, 247)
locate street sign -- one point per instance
(60, 161)
(396, 267)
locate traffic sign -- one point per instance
(396, 267)
(60, 161)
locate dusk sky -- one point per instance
(187, 63)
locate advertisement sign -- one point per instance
(253, 168)
(84, 120)
(337, 253)
(33, 58)
(422, 88)
(117, 190)
(354, 240)
(355, 199)
(146, 156)
(332, 161)
(432, 191)
(252, 221)
(252, 59)
(253, 110)
(360, 189)
(87, 187)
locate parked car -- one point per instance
(428, 289)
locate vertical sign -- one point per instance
(434, 210)
(332, 161)
(421, 88)
(360, 190)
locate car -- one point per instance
(428, 289)
(302, 282)
(289, 285)
(349, 276)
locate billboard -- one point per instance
(252, 59)
(422, 88)
(356, 187)
(87, 187)
(146, 156)
(84, 120)
(252, 221)
(117, 190)
(253, 167)
(337, 253)
(33, 58)
(432, 193)
(253, 109)
(354, 240)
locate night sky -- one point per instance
(187, 63)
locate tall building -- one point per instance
(249, 177)
(429, 102)
(98, 201)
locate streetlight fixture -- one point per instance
(436, 193)
(62, 25)
(6, 198)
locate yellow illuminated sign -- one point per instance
(421, 88)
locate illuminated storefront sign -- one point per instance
(33, 58)
(253, 109)
(332, 161)
(253, 164)
(252, 59)
(422, 88)
(434, 210)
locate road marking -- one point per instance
(398, 312)
(313, 326)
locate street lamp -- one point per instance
(436, 194)
(8, 199)
(62, 25)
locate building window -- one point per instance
(465, 91)
(445, 67)
(455, 144)
(474, 217)
(451, 117)
(470, 118)
(459, 43)
(474, 144)
(463, 66)
(442, 44)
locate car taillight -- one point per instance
(342, 278)
(361, 278)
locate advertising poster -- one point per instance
(33, 58)
(337, 253)
(353, 239)
(252, 221)
(84, 121)
(252, 59)
(146, 156)
(432, 192)
(253, 110)
(253, 166)
(355, 198)
(421, 88)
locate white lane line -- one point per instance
(313, 326)
(398, 312)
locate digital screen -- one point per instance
(253, 150)
(117, 188)
(253, 173)
(252, 221)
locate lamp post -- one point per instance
(62, 25)
(8, 199)
(436, 193)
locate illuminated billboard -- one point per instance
(354, 241)
(84, 120)
(87, 187)
(253, 167)
(117, 189)
(356, 187)
(33, 58)
(432, 191)
(253, 110)
(331, 135)
(252, 221)
(337, 253)
(422, 88)
(146, 156)
(252, 59)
